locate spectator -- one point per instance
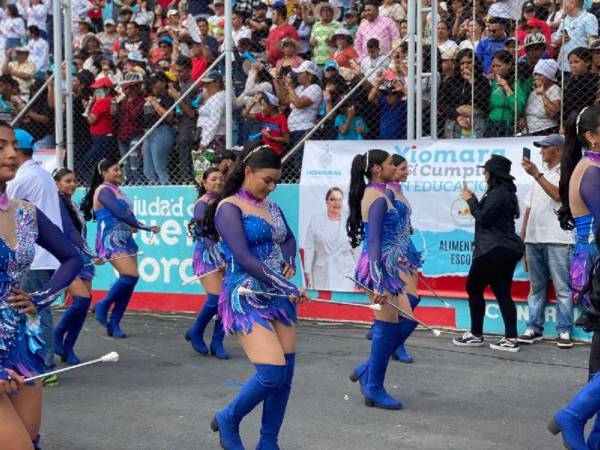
(543, 105)
(82, 96)
(239, 29)
(159, 143)
(581, 86)
(334, 90)
(39, 118)
(259, 25)
(472, 34)
(225, 162)
(216, 21)
(100, 118)
(109, 36)
(574, 32)
(280, 30)
(389, 96)
(274, 130)
(211, 113)
(502, 9)
(547, 246)
(595, 50)
(290, 59)
(134, 41)
(393, 10)
(322, 30)
(349, 125)
(374, 26)
(130, 115)
(373, 60)
(35, 14)
(85, 28)
(259, 80)
(21, 69)
(505, 111)
(160, 17)
(9, 90)
(200, 57)
(445, 44)
(38, 49)
(13, 27)
(448, 63)
(344, 53)
(209, 41)
(125, 14)
(186, 117)
(352, 21)
(303, 23)
(535, 47)
(488, 46)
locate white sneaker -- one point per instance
(505, 345)
(564, 340)
(468, 340)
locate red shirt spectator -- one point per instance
(131, 111)
(276, 35)
(101, 109)
(199, 66)
(277, 126)
(344, 56)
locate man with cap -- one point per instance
(274, 130)
(322, 30)
(547, 245)
(36, 185)
(109, 36)
(21, 69)
(535, 48)
(225, 162)
(259, 24)
(280, 30)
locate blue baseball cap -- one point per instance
(166, 40)
(331, 65)
(24, 139)
(552, 140)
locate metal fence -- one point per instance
(421, 72)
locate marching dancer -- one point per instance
(207, 264)
(579, 187)
(411, 261)
(374, 221)
(105, 202)
(260, 251)
(22, 226)
(69, 327)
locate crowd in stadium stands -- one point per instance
(506, 67)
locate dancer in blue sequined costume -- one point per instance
(411, 261)
(105, 202)
(209, 265)
(580, 195)
(71, 323)
(374, 221)
(260, 252)
(21, 227)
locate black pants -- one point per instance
(595, 354)
(494, 269)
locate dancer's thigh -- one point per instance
(13, 434)
(212, 283)
(79, 288)
(126, 266)
(410, 282)
(262, 346)
(286, 335)
(28, 405)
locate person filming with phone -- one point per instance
(547, 245)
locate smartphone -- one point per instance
(526, 153)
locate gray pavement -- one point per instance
(162, 395)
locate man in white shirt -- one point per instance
(374, 60)
(548, 246)
(239, 29)
(34, 184)
(38, 49)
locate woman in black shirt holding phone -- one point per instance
(496, 254)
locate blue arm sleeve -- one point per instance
(52, 239)
(377, 212)
(69, 229)
(110, 202)
(288, 247)
(228, 222)
(589, 189)
(199, 211)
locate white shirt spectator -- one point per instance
(34, 184)
(537, 119)
(37, 14)
(502, 8)
(11, 27)
(38, 53)
(305, 118)
(543, 227)
(242, 32)
(367, 64)
(579, 28)
(448, 45)
(211, 118)
(78, 10)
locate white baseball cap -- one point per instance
(308, 66)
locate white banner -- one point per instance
(443, 225)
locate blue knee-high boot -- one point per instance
(216, 345)
(274, 409)
(61, 328)
(113, 328)
(593, 442)
(268, 378)
(117, 290)
(571, 420)
(195, 334)
(80, 307)
(385, 338)
(361, 373)
(406, 329)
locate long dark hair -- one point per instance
(58, 175)
(87, 204)
(361, 169)
(192, 226)
(575, 128)
(495, 180)
(506, 57)
(262, 157)
(398, 159)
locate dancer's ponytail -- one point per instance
(262, 157)
(575, 141)
(87, 204)
(360, 170)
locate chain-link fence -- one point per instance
(149, 87)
